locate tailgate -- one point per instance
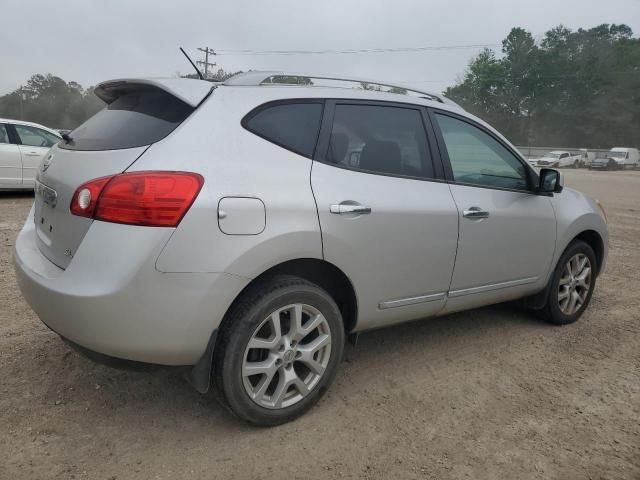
(138, 114)
(59, 232)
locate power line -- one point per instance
(356, 51)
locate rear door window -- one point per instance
(4, 135)
(134, 119)
(380, 139)
(35, 137)
(294, 126)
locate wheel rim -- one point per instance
(286, 356)
(575, 282)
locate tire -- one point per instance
(611, 165)
(251, 321)
(557, 310)
(576, 164)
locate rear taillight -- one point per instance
(156, 199)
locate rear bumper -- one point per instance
(112, 300)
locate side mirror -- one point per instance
(551, 181)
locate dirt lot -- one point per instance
(488, 394)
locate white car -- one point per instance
(558, 158)
(22, 147)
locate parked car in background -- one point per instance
(618, 158)
(559, 159)
(586, 157)
(244, 230)
(22, 147)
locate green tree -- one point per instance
(51, 101)
(573, 88)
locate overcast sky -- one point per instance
(89, 41)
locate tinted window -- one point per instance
(35, 137)
(389, 140)
(293, 125)
(477, 158)
(4, 135)
(132, 120)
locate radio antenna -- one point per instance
(192, 64)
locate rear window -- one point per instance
(294, 126)
(133, 120)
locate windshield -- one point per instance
(618, 154)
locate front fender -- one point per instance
(577, 213)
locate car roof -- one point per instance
(194, 91)
(29, 124)
(622, 149)
(311, 81)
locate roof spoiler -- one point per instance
(192, 92)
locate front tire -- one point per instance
(572, 284)
(279, 350)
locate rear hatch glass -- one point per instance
(106, 144)
(132, 120)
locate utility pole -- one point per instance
(207, 51)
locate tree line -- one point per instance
(51, 101)
(572, 88)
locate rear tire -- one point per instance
(572, 284)
(278, 350)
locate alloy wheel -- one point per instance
(575, 283)
(286, 356)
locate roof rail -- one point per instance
(256, 78)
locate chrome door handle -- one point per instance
(475, 213)
(341, 209)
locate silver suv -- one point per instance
(245, 229)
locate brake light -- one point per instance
(155, 199)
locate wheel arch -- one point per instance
(324, 274)
(595, 241)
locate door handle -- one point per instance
(475, 213)
(341, 209)
(33, 154)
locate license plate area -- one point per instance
(44, 212)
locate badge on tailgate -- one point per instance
(49, 195)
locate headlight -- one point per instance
(604, 214)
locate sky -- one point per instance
(89, 41)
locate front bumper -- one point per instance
(112, 300)
(597, 165)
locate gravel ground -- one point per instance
(488, 394)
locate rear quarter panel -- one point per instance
(236, 163)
